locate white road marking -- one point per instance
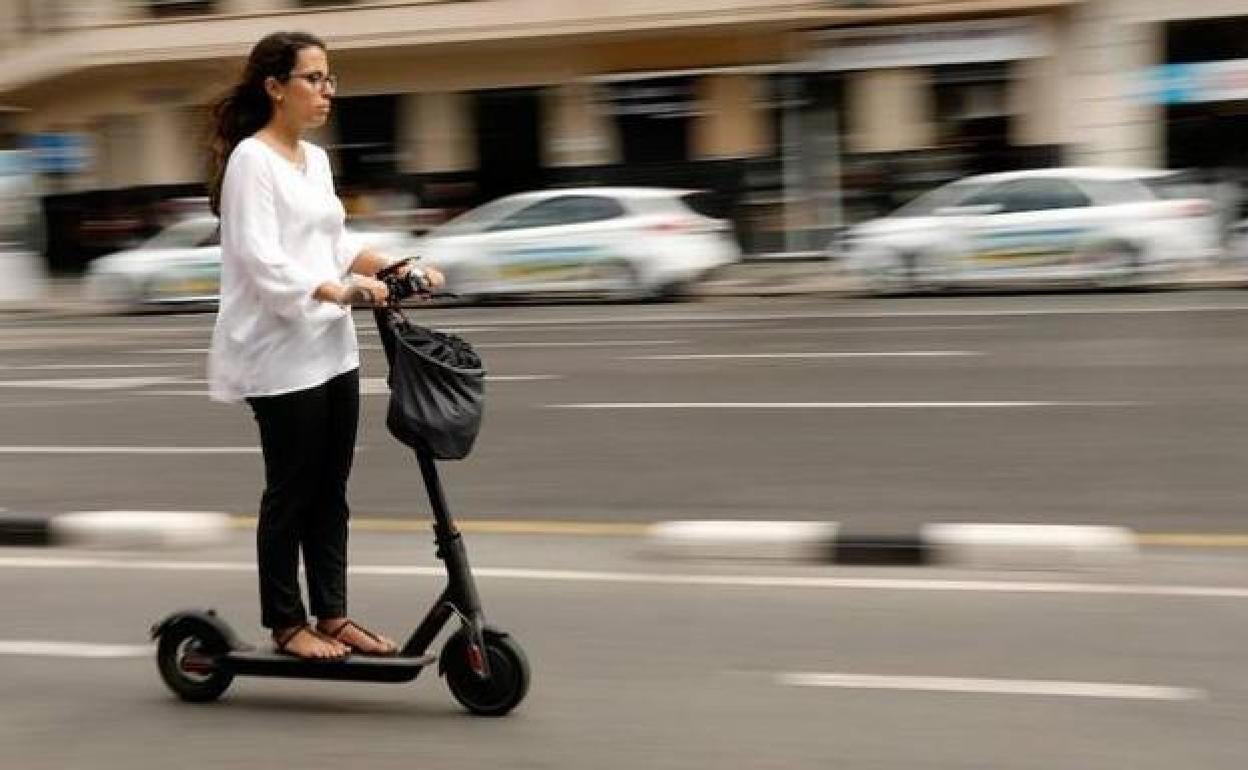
(639, 320)
(42, 367)
(521, 377)
(875, 329)
(664, 579)
(128, 450)
(1038, 687)
(123, 331)
(51, 404)
(91, 383)
(197, 393)
(42, 649)
(563, 344)
(376, 386)
(1005, 312)
(844, 354)
(848, 405)
(580, 344)
(369, 386)
(371, 329)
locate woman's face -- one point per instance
(305, 97)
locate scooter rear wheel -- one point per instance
(506, 685)
(184, 658)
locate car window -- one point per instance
(482, 217)
(990, 196)
(187, 234)
(564, 210)
(1107, 192)
(1043, 195)
(948, 195)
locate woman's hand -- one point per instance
(363, 291)
(433, 279)
(430, 277)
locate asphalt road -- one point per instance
(645, 663)
(883, 414)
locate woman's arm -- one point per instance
(249, 230)
(369, 262)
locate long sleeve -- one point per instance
(346, 245)
(249, 231)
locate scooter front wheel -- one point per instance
(502, 690)
(185, 658)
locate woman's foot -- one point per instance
(303, 642)
(356, 637)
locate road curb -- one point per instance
(116, 529)
(994, 546)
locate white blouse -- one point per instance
(282, 235)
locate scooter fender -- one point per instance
(205, 621)
(487, 632)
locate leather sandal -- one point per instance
(282, 644)
(338, 633)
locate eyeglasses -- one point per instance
(318, 80)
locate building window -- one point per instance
(166, 8)
(654, 117)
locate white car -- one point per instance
(182, 265)
(625, 243)
(1237, 243)
(1081, 225)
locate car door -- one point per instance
(556, 244)
(192, 272)
(1038, 226)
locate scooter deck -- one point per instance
(356, 668)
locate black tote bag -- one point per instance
(437, 390)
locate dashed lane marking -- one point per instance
(813, 355)
(1035, 687)
(62, 563)
(45, 649)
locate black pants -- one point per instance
(308, 438)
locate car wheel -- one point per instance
(622, 282)
(1120, 264)
(899, 274)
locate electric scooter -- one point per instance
(485, 668)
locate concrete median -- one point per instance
(116, 529)
(991, 546)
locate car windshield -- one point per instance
(188, 234)
(927, 203)
(481, 217)
(1176, 186)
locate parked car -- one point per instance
(22, 270)
(182, 265)
(624, 243)
(1237, 243)
(1081, 225)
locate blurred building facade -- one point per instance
(801, 116)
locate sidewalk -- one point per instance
(62, 296)
(753, 278)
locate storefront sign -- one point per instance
(653, 98)
(1215, 81)
(58, 152)
(929, 45)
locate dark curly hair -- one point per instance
(245, 108)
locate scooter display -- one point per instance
(199, 654)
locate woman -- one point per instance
(285, 340)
